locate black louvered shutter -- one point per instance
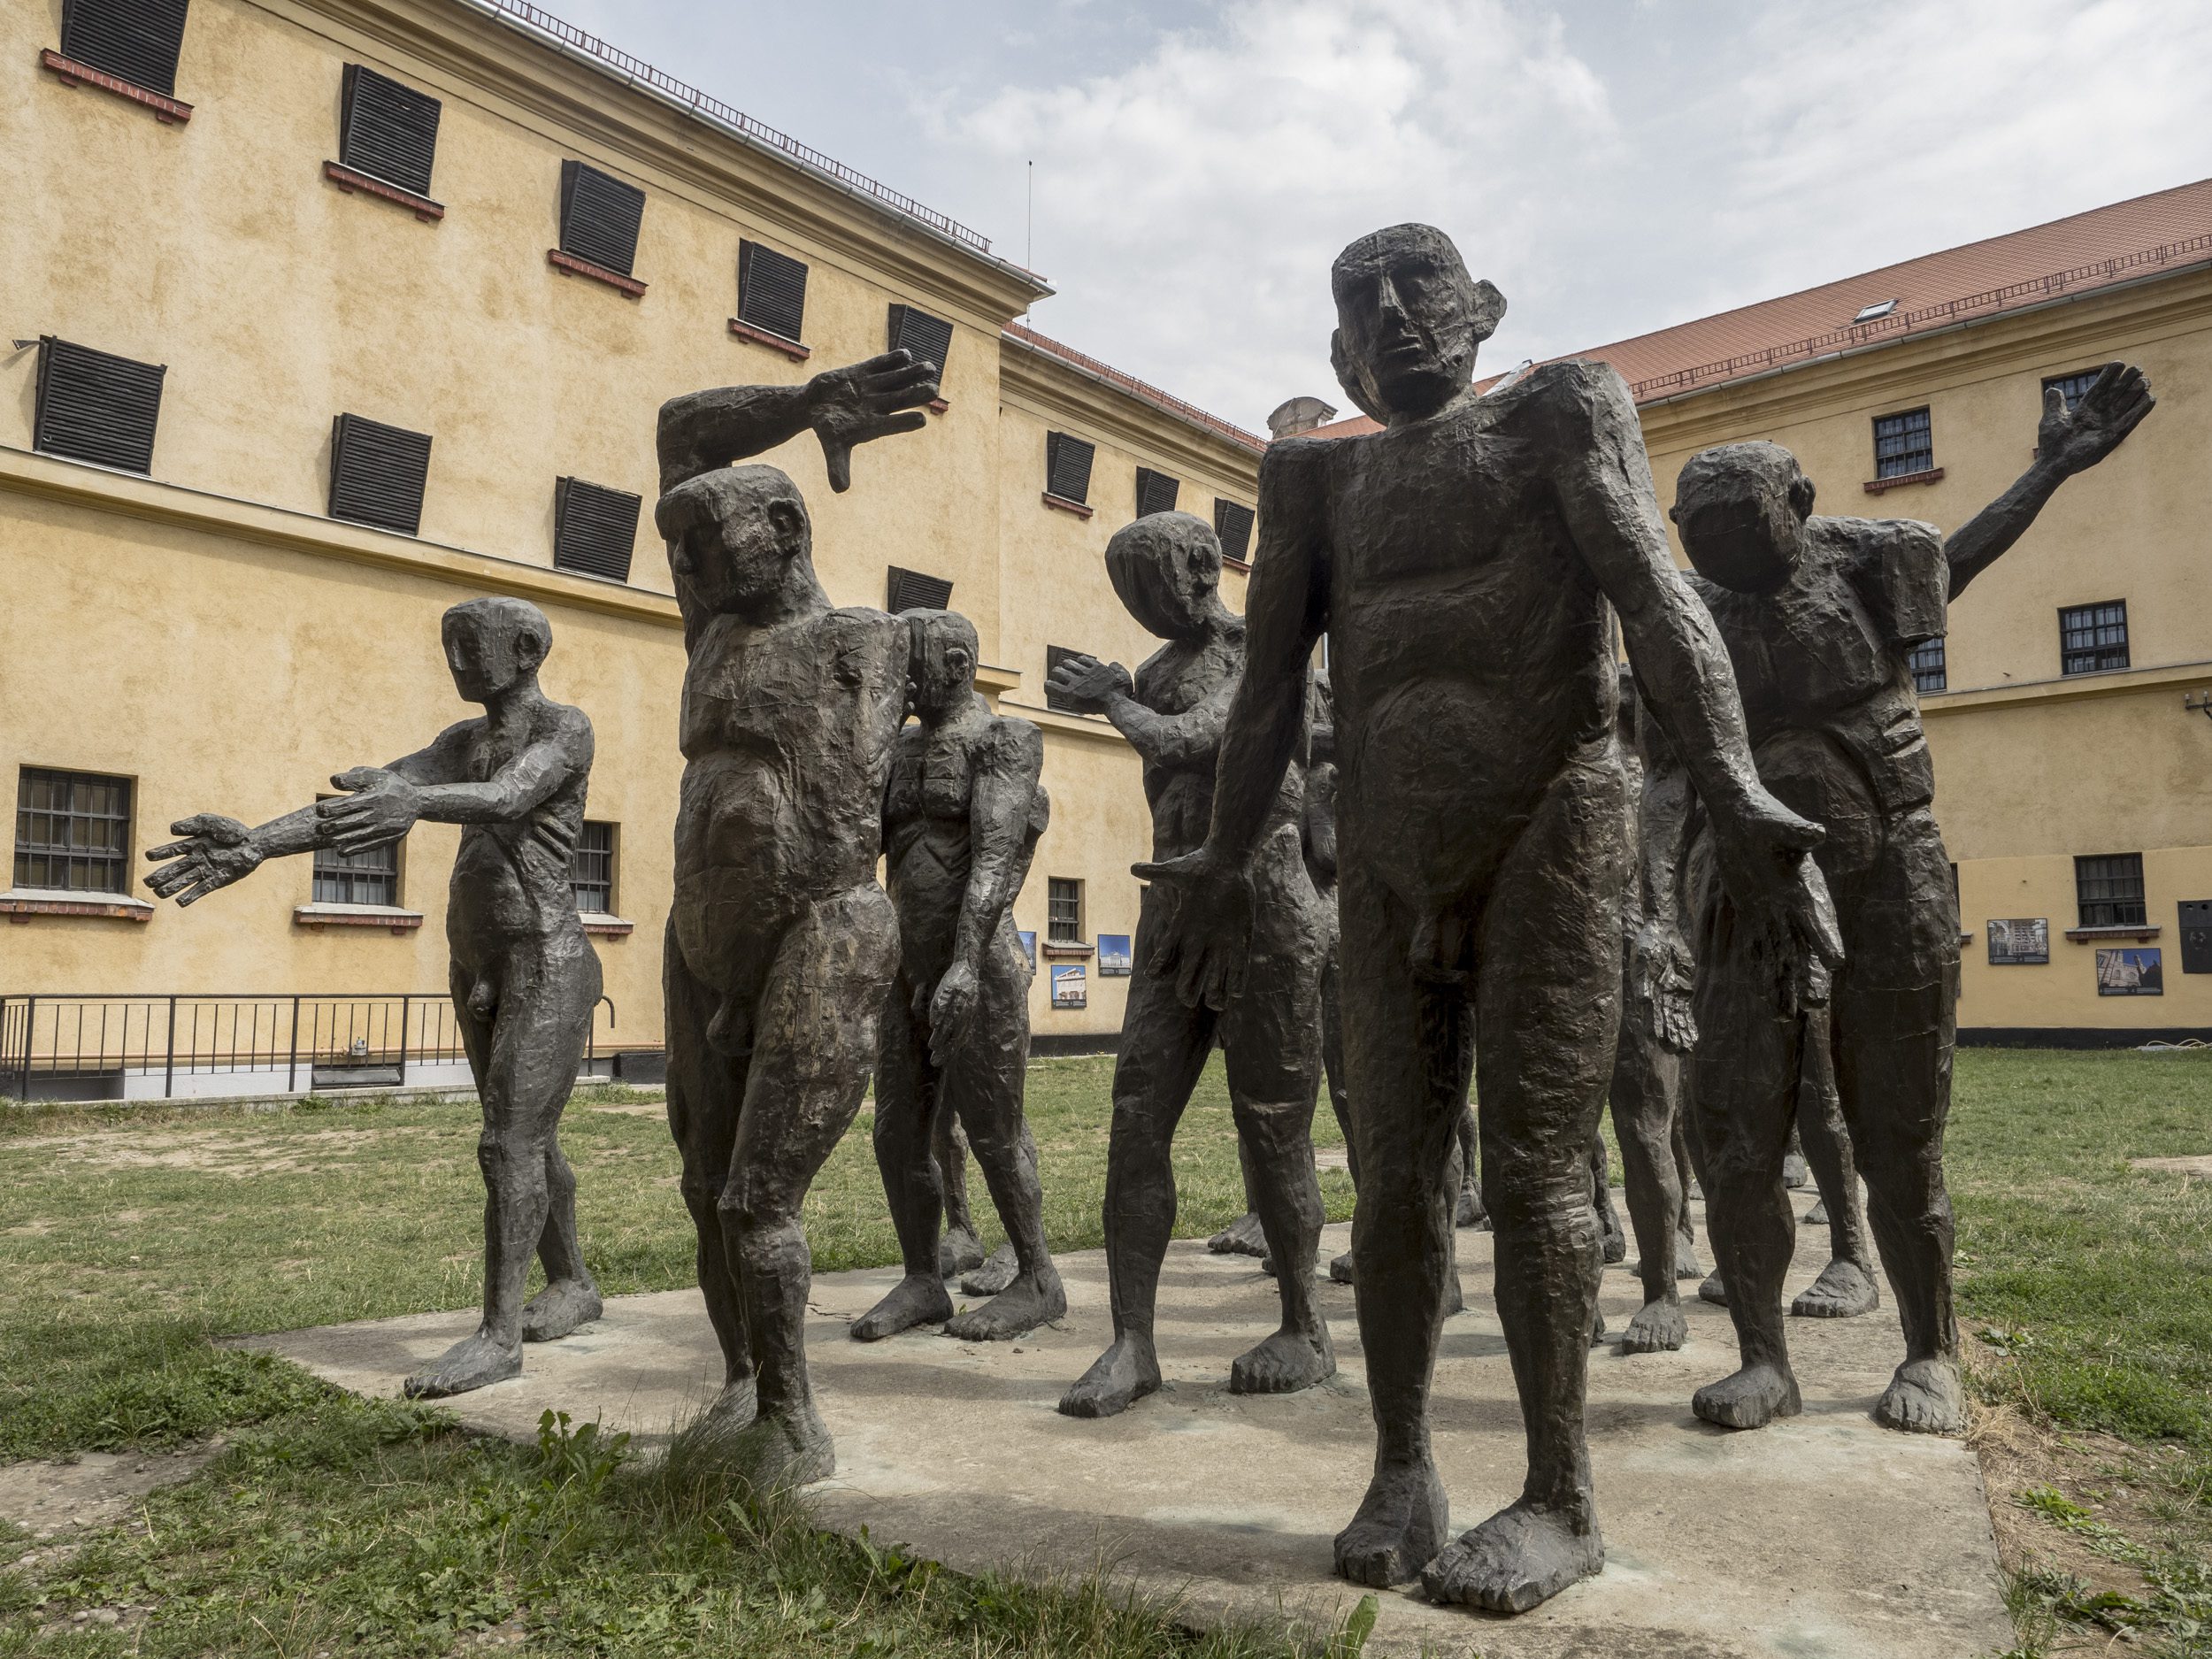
(386, 130)
(377, 473)
(1067, 466)
(595, 528)
(770, 290)
(1233, 524)
(928, 338)
(135, 41)
(600, 217)
(1155, 492)
(1056, 655)
(94, 406)
(911, 590)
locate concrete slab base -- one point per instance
(1821, 1538)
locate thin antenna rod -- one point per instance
(1029, 227)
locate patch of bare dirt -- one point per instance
(641, 1109)
(2201, 1165)
(54, 1500)
(216, 1151)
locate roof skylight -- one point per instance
(1880, 308)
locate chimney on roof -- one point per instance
(1298, 414)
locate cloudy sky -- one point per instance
(1614, 165)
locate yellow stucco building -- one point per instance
(332, 314)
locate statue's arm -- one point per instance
(1662, 846)
(1008, 763)
(884, 394)
(1189, 739)
(2066, 443)
(527, 781)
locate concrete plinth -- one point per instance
(1822, 1537)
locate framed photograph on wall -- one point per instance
(2020, 943)
(1069, 984)
(2131, 970)
(1113, 956)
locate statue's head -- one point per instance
(1409, 321)
(941, 676)
(492, 645)
(1167, 569)
(1741, 509)
(734, 535)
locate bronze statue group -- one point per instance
(1710, 888)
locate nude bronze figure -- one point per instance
(524, 977)
(1467, 563)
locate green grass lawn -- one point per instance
(337, 1526)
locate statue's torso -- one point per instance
(511, 881)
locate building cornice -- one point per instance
(2117, 682)
(1061, 392)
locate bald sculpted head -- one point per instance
(492, 645)
(734, 535)
(1409, 321)
(941, 677)
(1741, 509)
(1166, 567)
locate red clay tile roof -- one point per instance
(1165, 402)
(2148, 235)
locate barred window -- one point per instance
(369, 877)
(2072, 385)
(2109, 890)
(1903, 444)
(2092, 638)
(1063, 911)
(73, 831)
(591, 869)
(1930, 671)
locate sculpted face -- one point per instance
(733, 536)
(1741, 509)
(941, 678)
(1166, 567)
(493, 644)
(1409, 320)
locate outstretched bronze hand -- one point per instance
(871, 399)
(215, 852)
(1088, 685)
(383, 807)
(2115, 404)
(1207, 929)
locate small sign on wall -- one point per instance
(2132, 970)
(1069, 984)
(1113, 956)
(2196, 935)
(2019, 943)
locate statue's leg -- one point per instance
(985, 1085)
(958, 1248)
(1339, 1088)
(1895, 1013)
(1742, 1084)
(1612, 1237)
(1644, 1093)
(705, 1088)
(1246, 1236)
(909, 1109)
(1687, 1264)
(1408, 1045)
(814, 1040)
(1470, 1211)
(1163, 1049)
(1547, 1007)
(569, 1298)
(1847, 1286)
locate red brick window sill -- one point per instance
(349, 180)
(608, 926)
(74, 74)
(2095, 935)
(569, 265)
(1065, 947)
(1244, 565)
(937, 405)
(790, 349)
(1079, 509)
(1875, 485)
(21, 909)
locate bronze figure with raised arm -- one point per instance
(1820, 616)
(524, 977)
(1467, 564)
(781, 944)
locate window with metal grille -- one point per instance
(2092, 638)
(2108, 889)
(591, 869)
(600, 216)
(1067, 466)
(1903, 444)
(1155, 492)
(73, 831)
(1929, 670)
(1233, 524)
(95, 406)
(377, 473)
(136, 41)
(1056, 655)
(911, 590)
(1063, 911)
(595, 528)
(928, 338)
(2072, 385)
(770, 290)
(388, 130)
(369, 877)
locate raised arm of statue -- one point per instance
(2066, 442)
(1009, 764)
(884, 394)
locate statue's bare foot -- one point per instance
(1241, 1237)
(1658, 1327)
(1713, 1290)
(1400, 1526)
(1285, 1363)
(785, 1450)
(1817, 1215)
(994, 1275)
(1751, 1399)
(958, 1252)
(1470, 1212)
(1517, 1559)
(559, 1309)
(917, 1299)
(1923, 1398)
(472, 1363)
(1795, 1172)
(1843, 1291)
(733, 1409)
(1031, 1300)
(1686, 1264)
(1340, 1269)
(1117, 1379)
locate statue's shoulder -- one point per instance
(1008, 741)
(1579, 392)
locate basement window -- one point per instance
(1068, 467)
(1233, 523)
(1929, 670)
(95, 406)
(377, 473)
(1063, 911)
(1155, 492)
(136, 41)
(1904, 444)
(595, 528)
(770, 290)
(388, 130)
(2092, 639)
(366, 877)
(2108, 890)
(591, 870)
(73, 831)
(911, 590)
